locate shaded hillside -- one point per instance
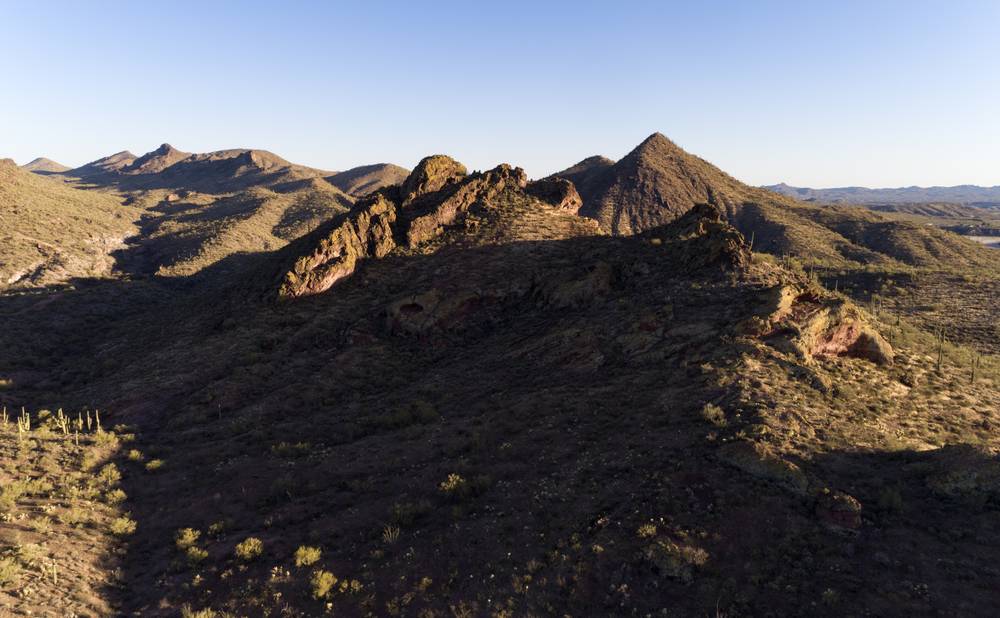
(360, 181)
(962, 194)
(50, 232)
(493, 409)
(41, 165)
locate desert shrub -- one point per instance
(135, 455)
(408, 512)
(306, 556)
(713, 414)
(218, 528)
(456, 487)
(42, 525)
(890, 500)
(9, 571)
(154, 465)
(195, 555)
(73, 516)
(249, 549)
(390, 534)
(322, 583)
(186, 537)
(122, 526)
(10, 493)
(28, 554)
(109, 476)
(188, 612)
(115, 496)
(452, 485)
(286, 449)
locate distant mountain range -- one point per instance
(217, 172)
(970, 195)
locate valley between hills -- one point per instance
(237, 386)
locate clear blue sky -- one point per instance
(811, 93)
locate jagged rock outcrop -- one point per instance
(559, 192)
(414, 214)
(842, 331)
(810, 323)
(432, 174)
(367, 231)
(716, 242)
(432, 215)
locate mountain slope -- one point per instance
(182, 234)
(652, 185)
(658, 181)
(50, 232)
(43, 165)
(360, 181)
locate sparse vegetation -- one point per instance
(249, 549)
(306, 556)
(514, 415)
